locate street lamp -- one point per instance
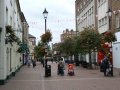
(109, 14)
(45, 13)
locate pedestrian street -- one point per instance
(29, 78)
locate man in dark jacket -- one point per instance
(105, 65)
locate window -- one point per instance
(117, 21)
(81, 6)
(106, 20)
(11, 20)
(100, 2)
(33, 42)
(100, 23)
(6, 16)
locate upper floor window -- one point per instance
(102, 22)
(100, 2)
(6, 16)
(117, 21)
(11, 20)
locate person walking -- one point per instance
(28, 62)
(105, 65)
(33, 63)
(60, 70)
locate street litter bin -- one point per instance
(48, 71)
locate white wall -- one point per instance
(116, 51)
(116, 55)
(9, 19)
(2, 44)
(86, 17)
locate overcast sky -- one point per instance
(61, 15)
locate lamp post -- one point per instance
(109, 14)
(45, 13)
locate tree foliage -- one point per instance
(39, 50)
(89, 39)
(68, 46)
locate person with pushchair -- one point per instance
(60, 70)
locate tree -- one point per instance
(106, 39)
(39, 50)
(68, 46)
(88, 40)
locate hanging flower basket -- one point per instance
(47, 37)
(9, 29)
(20, 50)
(109, 37)
(12, 37)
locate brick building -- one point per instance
(67, 33)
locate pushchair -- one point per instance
(71, 69)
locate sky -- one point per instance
(61, 16)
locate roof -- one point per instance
(31, 36)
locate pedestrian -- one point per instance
(60, 68)
(52, 60)
(29, 63)
(34, 63)
(105, 65)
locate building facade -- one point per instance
(25, 38)
(10, 37)
(107, 21)
(95, 13)
(85, 13)
(32, 44)
(86, 16)
(67, 33)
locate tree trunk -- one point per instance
(76, 59)
(90, 62)
(71, 57)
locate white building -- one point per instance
(103, 24)
(85, 14)
(10, 59)
(116, 51)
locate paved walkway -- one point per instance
(84, 79)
